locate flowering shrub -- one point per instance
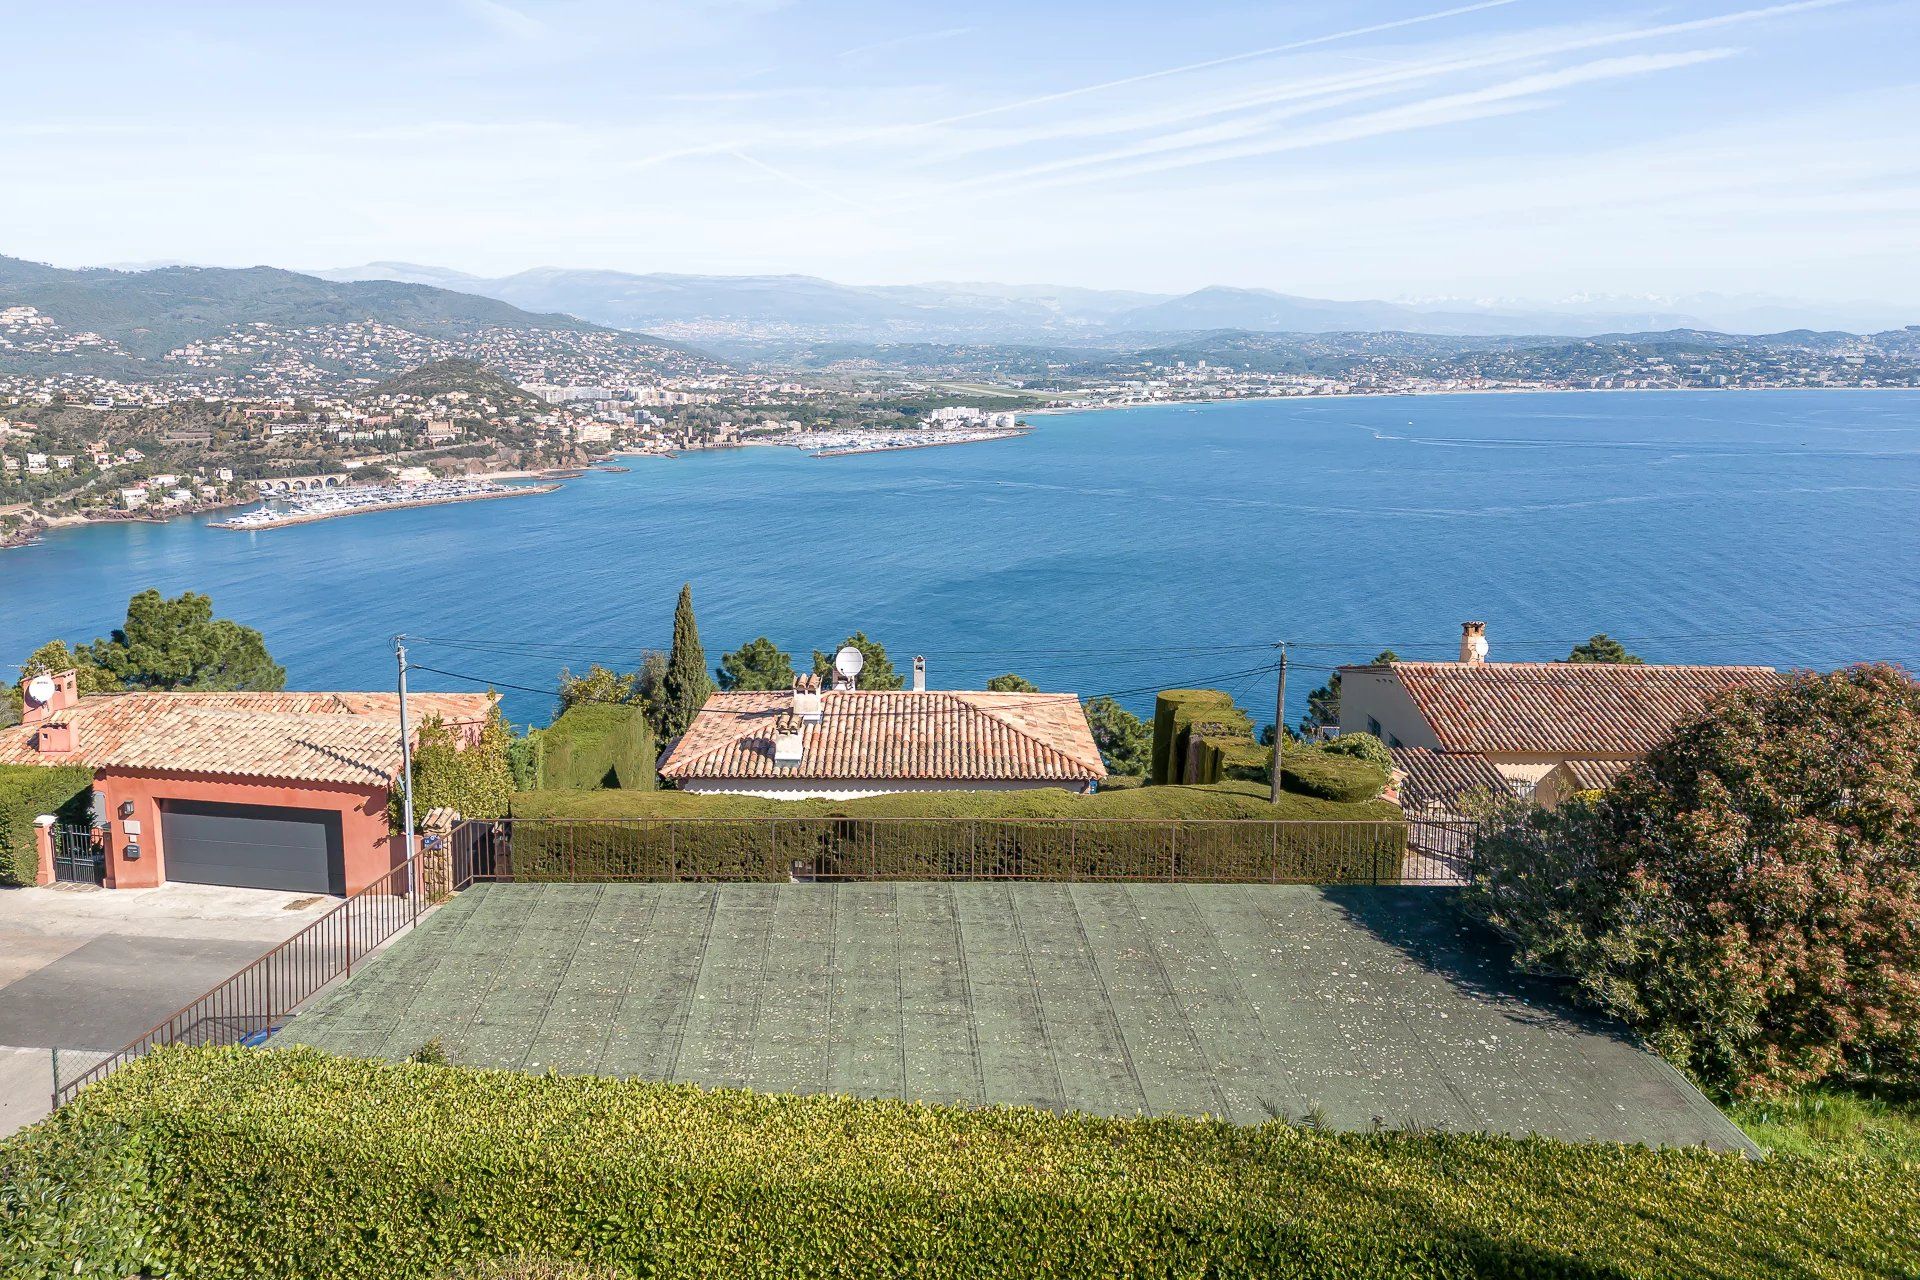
(1749, 895)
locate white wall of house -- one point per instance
(851, 788)
(1376, 702)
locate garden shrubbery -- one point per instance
(1198, 833)
(26, 792)
(231, 1162)
(595, 747)
(1749, 897)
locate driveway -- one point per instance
(88, 970)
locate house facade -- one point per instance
(844, 744)
(1530, 725)
(258, 790)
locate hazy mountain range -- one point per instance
(790, 307)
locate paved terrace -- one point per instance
(1351, 1007)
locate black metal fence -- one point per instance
(1414, 852)
(79, 855)
(254, 1002)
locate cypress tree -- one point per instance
(687, 683)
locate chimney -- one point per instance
(919, 674)
(806, 698)
(55, 738)
(1473, 642)
(789, 738)
(42, 695)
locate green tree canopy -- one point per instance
(877, 674)
(179, 644)
(686, 685)
(1323, 704)
(1125, 741)
(757, 665)
(1603, 648)
(1011, 683)
(476, 780)
(599, 685)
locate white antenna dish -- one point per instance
(40, 688)
(849, 662)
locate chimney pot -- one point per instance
(54, 739)
(789, 738)
(919, 674)
(1473, 642)
(806, 698)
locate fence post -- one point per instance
(346, 918)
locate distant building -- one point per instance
(1456, 725)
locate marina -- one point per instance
(330, 504)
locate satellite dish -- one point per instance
(849, 661)
(40, 688)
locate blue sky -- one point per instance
(1514, 149)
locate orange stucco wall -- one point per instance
(368, 849)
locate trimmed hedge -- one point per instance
(1175, 713)
(596, 747)
(1315, 771)
(1195, 833)
(26, 792)
(231, 1162)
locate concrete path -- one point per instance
(91, 969)
(1348, 1007)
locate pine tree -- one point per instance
(687, 683)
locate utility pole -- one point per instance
(1279, 723)
(406, 747)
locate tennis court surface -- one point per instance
(1348, 1007)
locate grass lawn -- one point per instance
(1835, 1122)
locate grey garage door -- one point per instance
(254, 846)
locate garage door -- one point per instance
(254, 846)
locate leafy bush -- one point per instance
(475, 780)
(1363, 746)
(1747, 897)
(26, 792)
(594, 747)
(232, 1162)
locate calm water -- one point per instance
(1111, 552)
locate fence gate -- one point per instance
(78, 856)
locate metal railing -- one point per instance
(253, 1003)
(1413, 852)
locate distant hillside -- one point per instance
(151, 312)
(441, 377)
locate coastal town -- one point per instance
(178, 412)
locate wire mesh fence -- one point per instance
(1421, 851)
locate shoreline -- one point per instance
(929, 444)
(1468, 391)
(314, 517)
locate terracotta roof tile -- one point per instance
(1564, 707)
(314, 737)
(925, 736)
(1440, 780)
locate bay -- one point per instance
(1107, 552)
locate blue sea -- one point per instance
(1111, 552)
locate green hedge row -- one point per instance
(26, 792)
(926, 849)
(596, 747)
(220, 1163)
(1176, 714)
